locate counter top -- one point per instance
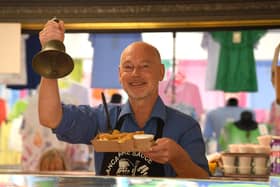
(48, 173)
(85, 179)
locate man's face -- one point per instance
(140, 71)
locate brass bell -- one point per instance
(52, 62)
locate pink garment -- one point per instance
(261, 115)
(23, 93)
(242, 99)
(194, 71)
(186, 92)
(274, 118)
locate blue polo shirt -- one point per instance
(80, 124)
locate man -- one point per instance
(179, 149)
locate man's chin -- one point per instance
(137, 96)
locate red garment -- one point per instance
(3, 111)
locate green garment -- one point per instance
(17, 109)
(76, 75)
(231, 134)
(167, 63)
(236, 68)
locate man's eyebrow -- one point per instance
(126, 62)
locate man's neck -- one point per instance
(142, 110)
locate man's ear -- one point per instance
(162, 72)
(119, 75)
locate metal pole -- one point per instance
(173, 97)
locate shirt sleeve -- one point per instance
(79, 124)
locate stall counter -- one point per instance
(86, 179)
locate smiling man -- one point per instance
(179, 150)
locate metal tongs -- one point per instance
(109, 127)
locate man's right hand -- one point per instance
(53, 30)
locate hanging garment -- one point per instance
(8, 156)
(3, 111)
(15, 141)
(213, 51)
(106, 58)
(33, 46)
(274, 118)
(10, 48)
(186, 92)
(21, 77)
(17, 109)
(37, 139)
(264, 87)
(77, 93)
(236, 69)
(77, 72)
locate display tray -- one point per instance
(240, 178)
(246, 165)
(246, 176)
(246, 154)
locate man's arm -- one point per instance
(49, 104)
(189, 169)
(167, 150)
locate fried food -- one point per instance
(116, 135)
(115, 131)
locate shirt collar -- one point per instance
(159, 110)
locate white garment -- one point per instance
(15, 141)
(21, 77)
(37, 138)
(79, 92)
(213, 48)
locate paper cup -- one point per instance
(228, 160)
(246, 148)
(143, 142)
(143, 136)
(233, 148)
(244, 161)
(260, 170)
(229, 169)
(260, 162)
(264, 140)
(244, 170)
(262, 149)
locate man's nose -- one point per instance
(136, 70)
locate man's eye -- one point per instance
(128, 67)
(145, 66)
